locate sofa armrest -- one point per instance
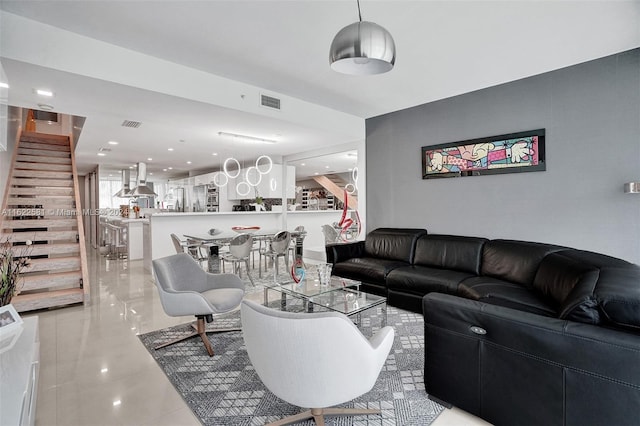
(340, 252)
(528, 368)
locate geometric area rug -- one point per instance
(225, 389)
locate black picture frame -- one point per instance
(508, 153)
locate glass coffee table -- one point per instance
(341, 295)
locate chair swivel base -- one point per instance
(317, 414)
(199, 330)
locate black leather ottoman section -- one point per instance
(502, 293)
(421, 280)
(528, 369)
(366, 269)
(514, 261)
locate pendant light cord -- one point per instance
(359, 14)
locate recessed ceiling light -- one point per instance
(101, 154)
(170, 168)
(45, 107)
(4, 85)
(302, 164)
(104, 370)
(149, 159)
(150, 174)
(117, 402)
(131, 167)
(215, 153)
(316, 173)
(170, 149)
(113, 143)
(188, 162)
(43, 92)
(350, 169)
(110, 175)
(326, 167)
(164, 170)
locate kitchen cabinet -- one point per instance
(270, 186)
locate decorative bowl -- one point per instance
(245, 229)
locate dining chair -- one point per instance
(278, 247)
(327, 360)
(240, 248)
(185, 289)
(193, 248)
(330, 234)
(292, 245)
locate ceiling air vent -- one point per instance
(133, 124)
(269, 102)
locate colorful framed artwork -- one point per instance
(510, 153)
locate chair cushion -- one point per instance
(421, 280)
(224, 299)
(450, 252)
(366, 269)
(503, 293)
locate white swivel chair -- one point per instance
(278, 247)
(315, 360)
(186, 289)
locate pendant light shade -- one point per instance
(362, 48)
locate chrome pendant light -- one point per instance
(362, 48)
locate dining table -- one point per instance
(216, 238)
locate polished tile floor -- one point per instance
(95, 371)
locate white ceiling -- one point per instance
(280, 48)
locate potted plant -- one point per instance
(13, 261)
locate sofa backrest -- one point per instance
(570, 283)
(514, 261)
(592, 287)
(393, 243)
(450, 252)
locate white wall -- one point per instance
(13, 127)
(591, 113)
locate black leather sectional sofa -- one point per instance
(517, 333)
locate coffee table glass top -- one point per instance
(349, 301)
(310, 288)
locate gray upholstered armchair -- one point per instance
(186, 289)
(313, 360)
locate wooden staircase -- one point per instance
(335, 186)
(41, 205)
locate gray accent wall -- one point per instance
(591, 113)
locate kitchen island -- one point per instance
(134, 233)
(161, 225)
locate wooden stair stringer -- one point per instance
(335, 190)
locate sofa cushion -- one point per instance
(504, 293)
(392, 243)
(514, 261)
(421, 280)
(450, 252)
(366, 269)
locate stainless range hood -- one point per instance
(142, 190)
(125, 192)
